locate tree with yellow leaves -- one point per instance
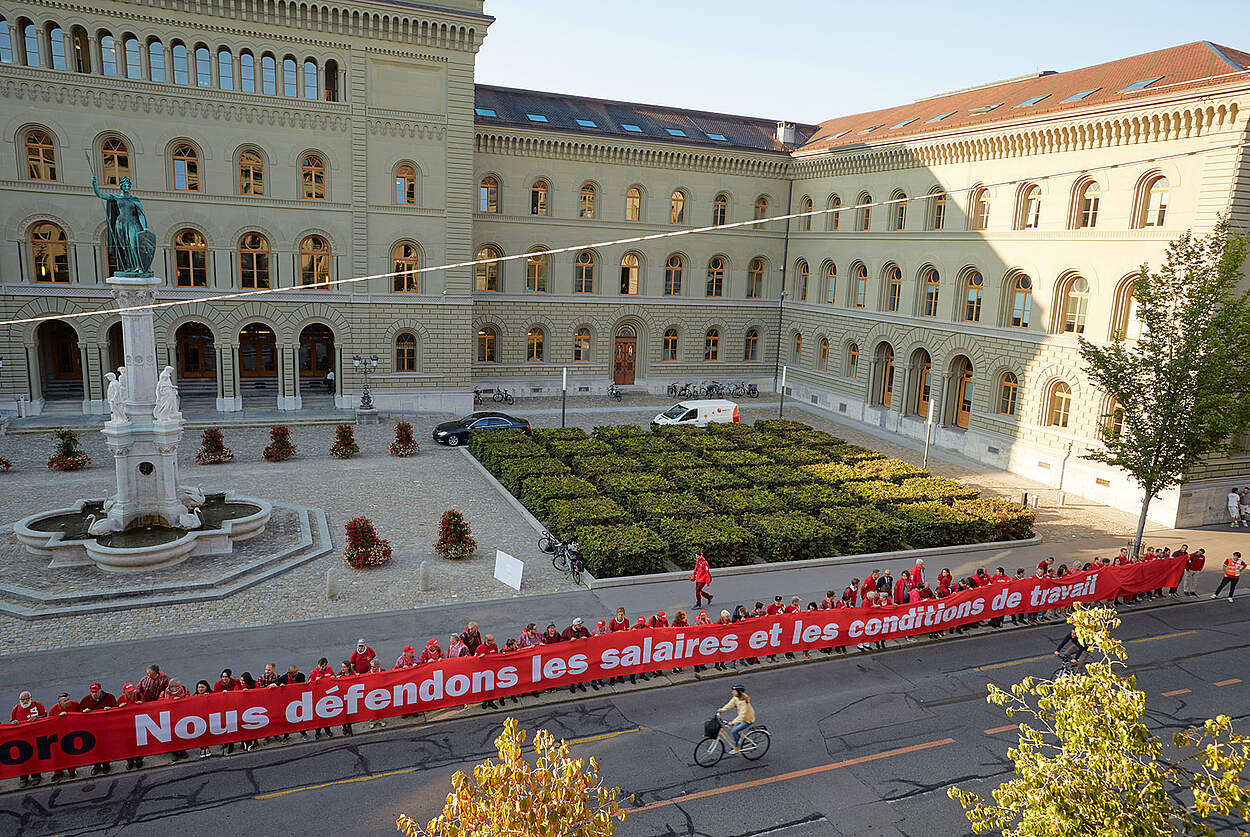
(558, 796)
(1088, 765)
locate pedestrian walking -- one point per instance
(1234, 507)
(702, 577)
(1232, 572)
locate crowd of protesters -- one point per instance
(878, 589)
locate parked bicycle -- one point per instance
(614, 391)
(752, 744)
(673, 389)
(565, 557)
(753, 391)
(477, 396)
(502, 395)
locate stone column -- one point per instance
(35, 377)
(229, 399)
(288, 377)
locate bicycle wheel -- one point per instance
(508, 399)
(576, 575)
(497, 397)
(560, 561)
(1063, 669)
(709, 751)
(547, 544)
(754, 744)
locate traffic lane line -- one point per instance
(276, 794)
(996, 730)
(1024, 660)
(1230, 682)
(795, 774)
(1176, 692)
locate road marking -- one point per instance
(1163, 636)
(793, 775)
(1010, 663)
(1176, 692)
(997, 730)
(1228, 682)
(601, 737)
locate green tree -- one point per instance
(1183, 390)
(1087, 763)
(557, 796)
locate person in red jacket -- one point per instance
(619, 622)
(63, 706)
(641, 625)
(917, 573)
(432, 653)
(227, 683)
(95, 699)
(1193, 566)
(903, 586)
(130, 695)
(362, 657)
(660, 620)
(869, 586)
(27, 709)
(488, 646)
(702, 577)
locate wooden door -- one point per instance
(197, 357)
(258, 352)
(963, 397)
(623, 359)
(316, 351)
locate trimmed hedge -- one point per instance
(881, 493)
(790, 536)
(812, 498)
(1007, 521)
(942, 489)
(860, 529)
(655, 506)
(565, 517)
(891, 470)
(736, 458)
(724, 541)
(513, 472)
(796, 456)
(537, 492)
(493, 456)
(781, 426)
(621, 487)
(705, 481)
(836, 473)
(627, 549)
(485, 438)
(937, 524)
(771, 475)
(667, 460)
(851, 454)
(569, 449)
(740, 501)
(706, 444)
(636, 445)
(608, 432)
(552, 434)
(594, 468)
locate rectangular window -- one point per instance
(675, 132)
(718, 137)
(904, 123)
(536, 273)
(1033, 100)
(536, 117)
(1076, 97)
(587, 123)
(942, 116)
(1138, 85)
(633, 129)
(485, 112)
(986, 108)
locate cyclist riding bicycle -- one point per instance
(741, 702)
(1077, 648)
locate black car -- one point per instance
(457, 432)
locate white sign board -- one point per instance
(508, 569)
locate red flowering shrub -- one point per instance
(404, 444)
(364, 547)
(279, 447)
(454, 537)
(67, 456)
(344, 446)
(213, 450)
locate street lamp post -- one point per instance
(366, 366)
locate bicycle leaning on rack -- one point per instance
(502, 395)
(753, 743)
(565, 557)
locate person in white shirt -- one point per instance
(1234, 506)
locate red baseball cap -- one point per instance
(661, 615)
(602, 623)
(408, 649)
(642, 620)
(94, 686)
(128, 687)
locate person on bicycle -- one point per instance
(1077, 648)
(741, 702)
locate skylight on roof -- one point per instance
(840, 134)
(871, 128)
(587, 123)
(1033, 100)
(1078, 96)
(1138, 85)
(986, 108)
(629, 127)
(485, 112)
(942, 116)
(536, 117)
(904, 122)
(675, 132)
(718, 137)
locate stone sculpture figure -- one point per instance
(166, 408)
(130, 242)
(117, 399)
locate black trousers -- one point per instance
(1232, 585)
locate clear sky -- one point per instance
(810, 60)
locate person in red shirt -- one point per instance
(702, 577)
(869, 586)
(619, 622)
(641, 625)
(227, 683)
(794, 606)
(1000, 577)
(362, 657)
(63, 706)
(130, 694)
(96, 698)
(902, 586)
(27, 709)
(322, 669)
(775, 606)
(660, 620)
(488, 646)
(1193, 566)
(917, 573)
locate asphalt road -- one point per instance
(862, 746)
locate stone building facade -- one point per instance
(281, 145)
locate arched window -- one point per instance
(805, 221)
(405, 186)
(963, 392)
(486, 272)
(677, 207)
(247, 72)
(49, 252)
(251, 172)
(1074, 302)
(720, 209)
(715, 276)
(751, 345)
(203, 67)
(852, 360)
(974, 286)
(937, 210)
(834, 218)
(225, 69)
(898, 211)
(268, 75)
(405, 262)
(534, 345)
(6, 42)
(629, 274)
(823, 362)
(800, 278)
(586, 201)
(108, 55)
(979, 209)
(30, 38)
(406, 352)
(186, 168)
(584, 273)
(831, 282)
(1008, 390)
(190, 259)
(56, 43)
(182, 70)
(538, 197)
(932, 283)
(290, 82)
(1113, 419)
(114, 160)
(156, 60)
(253, 260)
(797, 353)
(331, 80)
(761, 210)
(486, 344)
(673, 270)
(314, 260)
(1087, 199)
(668, 348)
(310, 79)
(893, 288)
(1021, 301)
(40, 156)
(711, 345)
(81, 44)
(488, 194)
(1058, 404)
(313, 177)
(536, 272)
(863, 215)
(755, 278)
(861, 286)
(1128, 324)
(1153, 202)
(134, 57)
(1030, 208)
(633, 204)
(581, 345)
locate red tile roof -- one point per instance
(1182, 67)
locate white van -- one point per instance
(699, 413)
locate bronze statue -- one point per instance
(130, 242)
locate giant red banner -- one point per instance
(146, 729)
